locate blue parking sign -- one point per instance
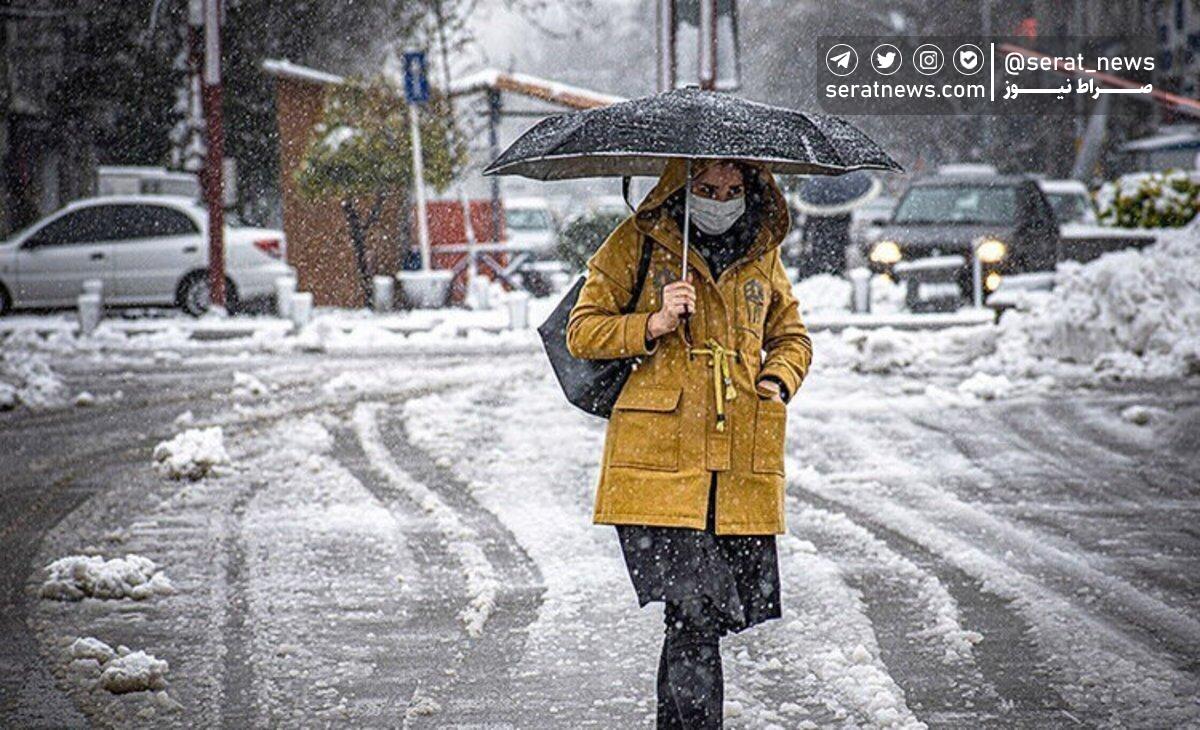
(416, 84)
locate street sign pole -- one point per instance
(416, 92)
(419, 182)
(213, 172)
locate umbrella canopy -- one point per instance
(637, 137)
(836, 195)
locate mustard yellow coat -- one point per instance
(665, 437)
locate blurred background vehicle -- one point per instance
(532, 229)
(146, 249)
(1070, 200)
(942, 220)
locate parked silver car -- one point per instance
(146, 249)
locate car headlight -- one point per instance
(991, 250)
(886, 252)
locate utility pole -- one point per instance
(707, 66)
(214, 184)
(666, 45)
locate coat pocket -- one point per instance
(645, 428)
(770, 430)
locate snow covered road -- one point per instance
(406, 541)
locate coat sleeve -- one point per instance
(596, 329)
(785, 338)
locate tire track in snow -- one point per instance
(1002, 684)
(1086, 651)
(237, 631)
(463, 541)
(1074, 563)
(473, 681)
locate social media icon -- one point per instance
(841, 60)
(968, 59)
(928, 59)
(886, 59)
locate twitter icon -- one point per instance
(886, 59)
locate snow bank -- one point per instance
(192, 454)
(1134, 313)
(121, 671)
(88, 576)
(827, 293)
(823, 292)
(27, 379)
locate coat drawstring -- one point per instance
(723, 388)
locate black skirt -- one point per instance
(738, 574)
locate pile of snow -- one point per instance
(827, 294)
(27, 379)
(823, 293)
(246, 386)
(121, 671)
(986, 387)
(888, 350)
(192, 454)
(1137, 415)
(1133, 312)
(89, 576)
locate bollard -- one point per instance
(285, 289)
(302, 306)
(860, 291)
(383, 294)
(94, 286)
(518, 310)
(977, 277)
(90, 310)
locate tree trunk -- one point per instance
(358, 242)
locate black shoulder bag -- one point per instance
(592, 385)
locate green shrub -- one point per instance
(583, 235)
(1149, 200)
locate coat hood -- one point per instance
(776, 219)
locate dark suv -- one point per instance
(941, 221)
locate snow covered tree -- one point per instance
(361, 153)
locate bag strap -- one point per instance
(640, 282)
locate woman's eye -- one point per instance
(735, 191)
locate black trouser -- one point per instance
(691, 685)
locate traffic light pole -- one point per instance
(214, 184)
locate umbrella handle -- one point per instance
(687, 220)
(686, 330)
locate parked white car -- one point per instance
(146, 249)
(530, 225)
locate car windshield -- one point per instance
(1070, 207)
(978, 204)
(527, 219)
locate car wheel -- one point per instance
(193, 298)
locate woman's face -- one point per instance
(721, 181)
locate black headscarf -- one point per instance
(724, 249)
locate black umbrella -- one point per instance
(638, 137)
(836, 195)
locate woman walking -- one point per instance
(693, 469)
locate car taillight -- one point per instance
(270, 246)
